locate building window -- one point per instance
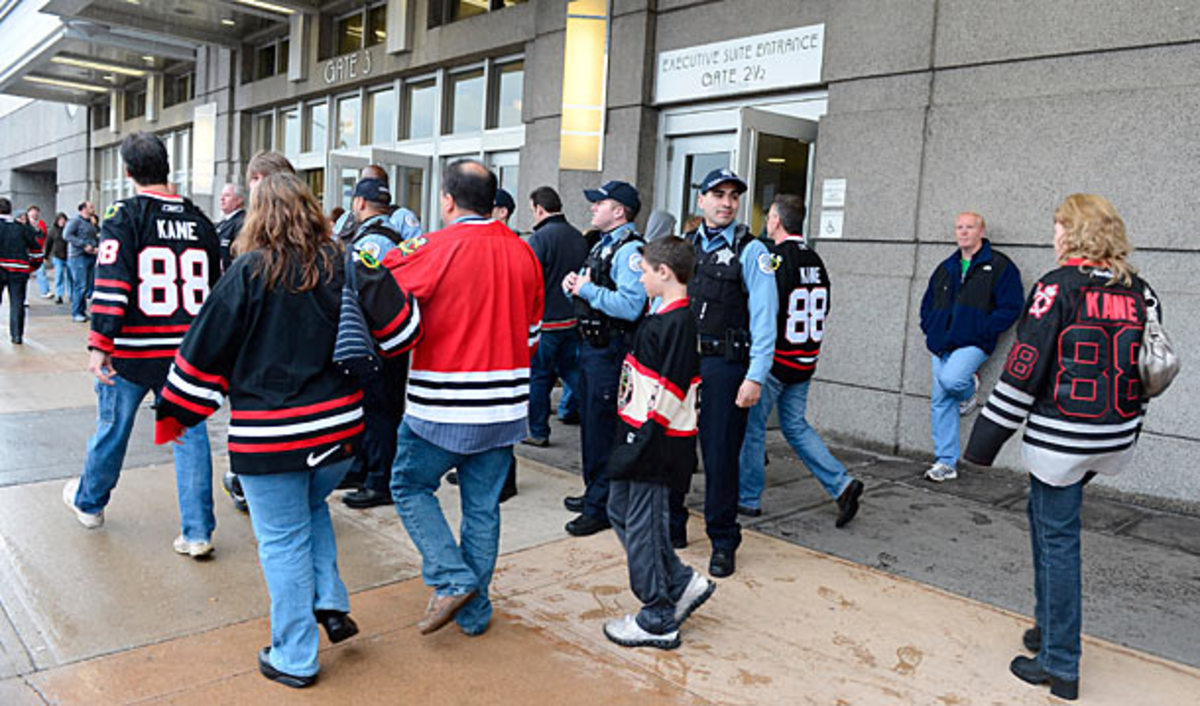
(508, 84)
(179, 156)
(349, 120)
(101, 116)
(270, 58)
(464, 102)
(445, 11)
(362, 28)
(291, 132)
(420, 104)
(382, 110)
(261, 132)
(135, 103)
(178, 89)
(507, 166)
(113, 184)
(317, 121)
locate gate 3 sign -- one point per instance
(791, 57)
(347, 67)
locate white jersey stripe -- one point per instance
(1085, 429)
(1073, 442)
(467, 415)
(513, 375)
(1010, 391)
(485, 393)
(1002, 421)
(174, 380)
(135, 342)
(300, 428)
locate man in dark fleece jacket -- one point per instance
(973, 296)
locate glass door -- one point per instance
(408, 177)
(343, 169)
(775, 156)
(689, 158)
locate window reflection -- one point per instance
(291, 132)
(421, 104)
(318, 124)
(383, 116)
(349, 33)
(510, 80)
(466, 102)
(349, 112)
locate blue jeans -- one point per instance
(804, 440)
(557, 356)
(952, 383)
(62, 278)
(298, 554)
(83, 278)
(117, 407)
(568, 404)
(1058, 599)
(449, 568)
(43, 283)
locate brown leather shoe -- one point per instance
(441, 610)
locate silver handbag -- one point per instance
(1158, 364)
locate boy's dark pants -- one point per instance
(639, 513)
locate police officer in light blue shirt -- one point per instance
(609, 300)
(734, 300)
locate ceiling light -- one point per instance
(776, 160)
(147, 58)
(270, 7)
(73, 85)
(228, 22)
(98, 65)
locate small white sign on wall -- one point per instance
(831, 224)
(833, 193)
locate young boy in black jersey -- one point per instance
(656, 448)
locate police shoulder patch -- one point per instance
(371, 250)
(411, 221)
(367, 258)
(635, 262)
(767, 264)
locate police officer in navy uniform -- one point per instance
(609, 300)
(734, 300)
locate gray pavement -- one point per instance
(1141, 564)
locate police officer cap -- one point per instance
(721, 176)
(622, 192)
(373, 190)
(505, 200)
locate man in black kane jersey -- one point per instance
(803, 285)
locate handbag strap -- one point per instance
(1151, 304)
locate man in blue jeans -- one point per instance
(973, 296)
(468, 390)
(82, 241)
(561, 249)
(157, 259)
(803, 285)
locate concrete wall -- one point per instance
(41, 132)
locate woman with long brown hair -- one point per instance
(1072, 378)
(265, 338)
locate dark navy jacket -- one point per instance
(561, 249)
(958, 311)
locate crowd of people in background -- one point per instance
(358, 350)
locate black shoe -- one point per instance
(508, 492)
(571, 419)
(586, 525)
(270, 672)
(58, 300)
(452, 477)
(233, 486)
(749, 511)
(1032, 639)
(366, 498)
(16, 340)
(574, 503)
(338, 625)
(1028, 670)
(847, 503)
(536, 441)
(723, 563)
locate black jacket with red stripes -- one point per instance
(271, 351)
(20, 252)
(157, 261)
(803, 285)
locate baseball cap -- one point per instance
(720, 176)
(373, 190)
(505, 200)
(622, 192)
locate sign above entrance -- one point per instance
(347, 67)
(784, 59)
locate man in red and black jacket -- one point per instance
(20, 254)
(157, 260)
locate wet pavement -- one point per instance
(919, 600)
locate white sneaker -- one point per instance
(697, 592)
(971, 403)
(48, 295)
(86, 519)
(939, 472)
(195, 550)
(626, 632)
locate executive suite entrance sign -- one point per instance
(784, 59)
